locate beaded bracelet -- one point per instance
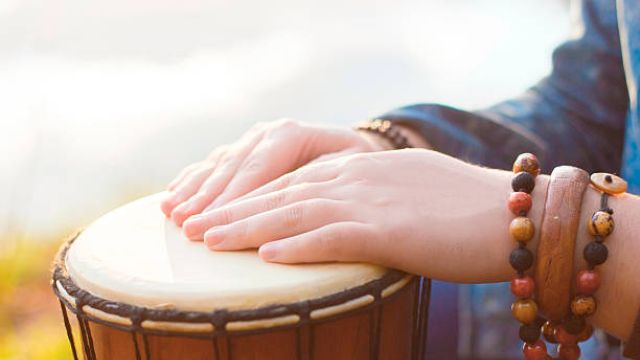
(524, 309)
(385, 129)
(574, 328)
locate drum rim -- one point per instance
(218, 318)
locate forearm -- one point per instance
(467, 238)
(619, 294)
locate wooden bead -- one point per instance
(522, 287)
(587, 282)
(527, 162)
(536, 351)
(595, 253)
(601, 223)
(521, 229)
(529, 333)
(574, 324)
(519, 203)
(524, 310)
(608, 183)
(583, 305)
(549, 332)
(523, 181)
(521, 259)
(564, 337)
(569, 351)
(586, 333)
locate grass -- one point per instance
(31, 326)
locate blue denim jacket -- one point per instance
(585, 113)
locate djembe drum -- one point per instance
(139, 289)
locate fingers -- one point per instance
(195, 227)
(182, 175)
(309, 174)
(185, 189)
(268, 160)
(226, 167)
(341, 241)
(287, 221)
(207, 191)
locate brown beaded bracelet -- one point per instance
(387, 130)
(524, 308)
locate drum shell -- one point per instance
(388, 328)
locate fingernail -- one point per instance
(269, 252)
(214, 236)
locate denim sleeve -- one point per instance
(575, 116)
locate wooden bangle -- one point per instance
(554, 263)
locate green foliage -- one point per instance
(31, 326)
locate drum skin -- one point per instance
(139, 289)
(349, 336)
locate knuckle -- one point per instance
(293, 215)
(253, 165)
(285, 181)
(226, 216)
(276, 200)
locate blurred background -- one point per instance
(105, 101)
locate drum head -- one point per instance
(134, 255)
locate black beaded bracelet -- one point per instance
(387, 130)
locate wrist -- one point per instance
(618, 299)
(374, 141)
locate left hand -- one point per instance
(415, 210)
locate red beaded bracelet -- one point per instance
(524, 309)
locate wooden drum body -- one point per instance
(140, 290)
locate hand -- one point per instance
(415, 210)
(265, 152)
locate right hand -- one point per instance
(264, 153)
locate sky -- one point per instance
(102, 101)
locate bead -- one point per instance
(521, 259)
(587, 282)
(608, 183)
(569, 352)
(525, 310)
(537, 351)
(601, 223)
(574, 324)
(549, 332)
(519, 203)
(521, 229)
(529, 333)
(523, 181)
(583, 305)
(540, 321)
(564, 337)
(586, 333)
(595, 253)
(522, 287)
(527, 162)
